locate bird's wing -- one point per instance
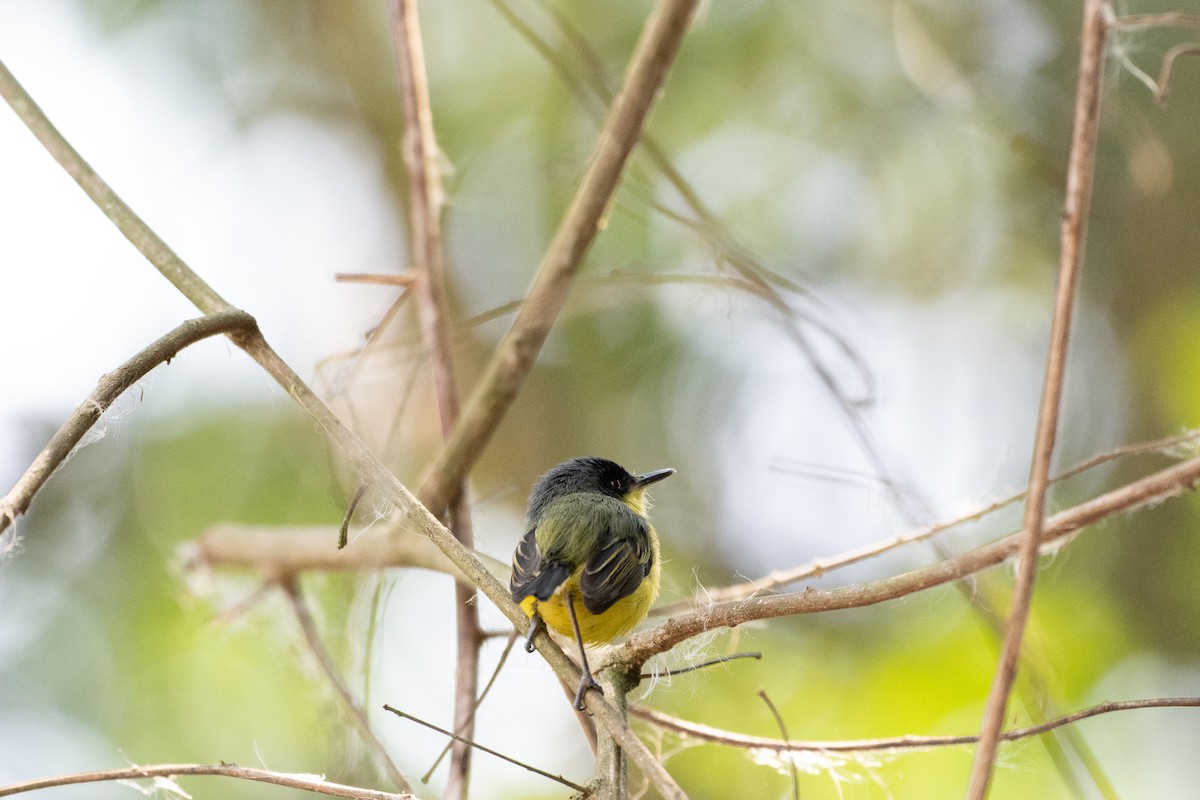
(531, 575)
(619, 565)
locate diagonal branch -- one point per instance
(1149, 490)
(506, 372)
(312, 637)
(1074, 225)
(110, 387)
(418, 518)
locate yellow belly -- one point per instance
(617, 620)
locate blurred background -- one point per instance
(822, 295)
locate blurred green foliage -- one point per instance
(909, 150)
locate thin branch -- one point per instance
(287, 550)
(312, 637)
(425, 209)
(148, 243)
(712, 662)
(707, 733)
(110, 387)
(822, 566)
(290, 780)
(1074, 226)
(1168, 65)
(403, 279)
(1150, 490)
(1169, 19)
(506, 372)
(418, 518)
(512, 640)
(348, 517)
(787, 740)
(488, 750)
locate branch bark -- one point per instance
(425, 233)
(1149, 490)
(1074, 226)
(110, 387)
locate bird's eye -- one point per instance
(615, 483)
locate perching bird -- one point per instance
(588, 565)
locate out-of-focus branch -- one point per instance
(309, 783)
(425, 233)
(370, 467)
(506, 372)
(312, 637)
(1149, 490)
(110, 387)
(1080, 169)
(707, 733)
(280, 551)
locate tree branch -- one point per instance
(425, 232)
(252, 342)
(707, 733)
(506, 372)
(1149, 490)
(312, 637)
(1074, 226)
(110, 387)
(293, 781)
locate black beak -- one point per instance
(642, 481)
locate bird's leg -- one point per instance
(535, 624)
(586, 681)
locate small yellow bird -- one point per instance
(589, 563)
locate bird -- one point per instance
(589, 564)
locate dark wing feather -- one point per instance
(531, 575)
(618, 567)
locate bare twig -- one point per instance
(1168, 65)
(712, 662)
(786, 739)
(488, 750)
(403, 279)
(418, 517)
(425, 208)
(348, 517)
(512, 640)
(312, 637)
(275, 551)
(308, 783)
(1169, 19)
(1074, 225)
(110, 387)
(1149, 490)
(822, 566)
(506, 372)
(708, 733)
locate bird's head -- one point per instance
(593, 475)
